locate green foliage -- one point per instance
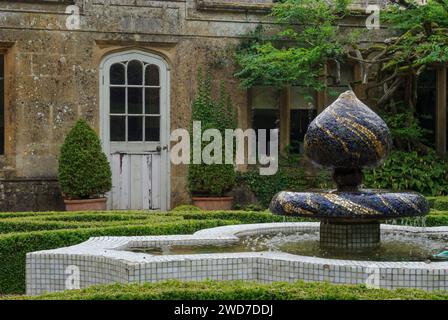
(84, 171)
(409, 168)
(186, 208)
(266, 187)
(297, 54)
(309, 37)
(254, 207)
(423, 35)
(323, 180)
(437, 219)
(214, 114)
(239, 290)
(405, 129)
(427, 174)
(289, 177)
(212, 179)
(420, 40)
(439, 203)
(245, 217)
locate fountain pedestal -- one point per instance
(349, 236)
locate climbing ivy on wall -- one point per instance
(212, 179)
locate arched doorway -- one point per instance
(135, 112)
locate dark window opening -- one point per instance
(303, 112)
(300, 111)
(339, 80)
(265, 111)
(426, 104)
(2, 104)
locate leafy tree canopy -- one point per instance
(422, 40)
(298, 52)
(309, 37)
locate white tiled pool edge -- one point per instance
(104, 261)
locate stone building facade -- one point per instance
(53, 74)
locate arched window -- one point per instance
(134, 88)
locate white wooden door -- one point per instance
(135, 130)
(136, 181)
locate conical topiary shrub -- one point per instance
(84, 172)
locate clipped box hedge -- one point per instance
(13, 247)
(438, 203)
(21, 233)
(238, 290)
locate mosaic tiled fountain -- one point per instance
(348, 246)
(346, 138)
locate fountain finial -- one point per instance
(348, 134)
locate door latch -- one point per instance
(160, 148)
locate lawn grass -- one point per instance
(236, 290)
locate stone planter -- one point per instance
(86, 205)
(213, 203)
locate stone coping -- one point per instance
(104, 260)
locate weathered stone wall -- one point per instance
(52, 74)
(30, 195)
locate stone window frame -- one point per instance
(8, 71)
(7, 159)
(441, 109)
(2, 97)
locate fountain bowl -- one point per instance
(108, 260)
(358, 206)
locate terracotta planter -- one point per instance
(86, 205)
(213, 204)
